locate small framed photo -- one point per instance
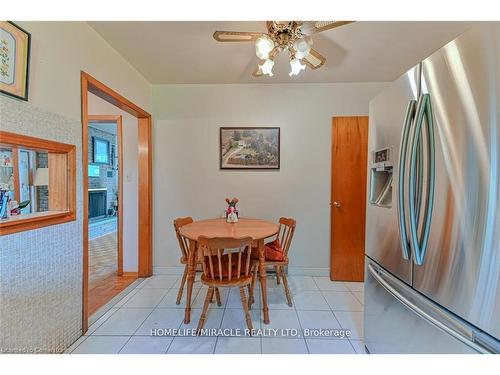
(14, 60)
(249, 148)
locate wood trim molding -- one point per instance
(29, 142)
(120, 195)
(104, 118)
(111, 96)
(15, 168)
(85, 184)
(65, 210)
(35, 221)
(90, 84)
(130, 274)
(145, 198)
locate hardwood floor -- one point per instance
(104, 283)
(106, 289)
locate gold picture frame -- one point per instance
(15, 44)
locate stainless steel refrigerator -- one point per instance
(433, 209)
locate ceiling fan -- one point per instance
(292, 36)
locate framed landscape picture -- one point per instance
(14, 60)
(249, 148)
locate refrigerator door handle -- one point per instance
(384, 280)
(403, 152)
(423, 111)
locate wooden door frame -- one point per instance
(145, 157)
(117, 119)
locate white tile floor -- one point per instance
(318, 304)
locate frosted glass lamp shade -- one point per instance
(41, 177)
(296, 67)
(302, 47)
(267, 67)
(263, 47)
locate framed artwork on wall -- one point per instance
(14, 60)
(249, 148)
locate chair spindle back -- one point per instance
(183, 241)
(285, 233)
(225, 259)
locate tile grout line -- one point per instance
(92, 334)
(129, 295)
(222, 319)
(152, 310)
(300, 324)
(335, 316)
(182, 320)
(140, 324)
(357, 299)
(85, 339)
(199, 290)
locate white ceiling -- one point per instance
(185, 52)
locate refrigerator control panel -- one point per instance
(381, 178)
(382, 156)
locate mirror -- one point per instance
(24, 175)
(37, 181)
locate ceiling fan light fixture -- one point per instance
(292, 37)
(263, 47)
(302, 47)
(267, 67)
(296, 67)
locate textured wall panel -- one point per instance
(41, 270)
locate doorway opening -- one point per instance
(348, 197)
(104, 209)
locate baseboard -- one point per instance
(172, 270)
(306, 271)
(295, 271)
(129, 274)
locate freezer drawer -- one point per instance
(399, 320)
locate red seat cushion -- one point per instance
(225, 265)
(273, 251)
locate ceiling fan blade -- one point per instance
(236, 36)
(314, 27)
(314, 59)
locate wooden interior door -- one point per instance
(348, 197)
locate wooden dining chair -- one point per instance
(276, 255)
(226, 263)
(184, 246)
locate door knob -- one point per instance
(336, 204)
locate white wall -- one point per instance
(98, 106)
(187, 179)
(60, 50)
(41, 270)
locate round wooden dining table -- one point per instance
(257, 229)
